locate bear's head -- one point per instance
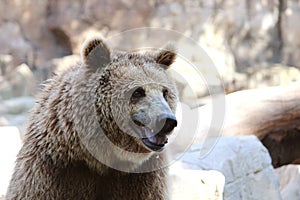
(134, 98)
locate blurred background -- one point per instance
(253, 44)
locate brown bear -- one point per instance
(99, 129)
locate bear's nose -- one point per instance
(168, 122)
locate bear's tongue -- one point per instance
(155, 139)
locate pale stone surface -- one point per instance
(273, 75)
(6, 64)
(13, 42)
(290, 32)
(244, 162)
(10, 143)
(16, 105)
(19, 82)
(196, 184)
(15, 112)
(289, 179)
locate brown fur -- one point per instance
(55, 164)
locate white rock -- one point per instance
(13, 42)
(19, 82)
(15, 112)
(3, 121)
(6, 64)
(196, 184)
(10, 143)
(259, 77)
(244, 162)
(289, 179)
(16, 105)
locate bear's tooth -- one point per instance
(148, 132)
(153, 139)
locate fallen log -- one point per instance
(273, 115)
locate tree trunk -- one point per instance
(273, 115)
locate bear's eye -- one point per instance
(138, 93)
(165, 94)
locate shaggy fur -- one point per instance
(64, 149)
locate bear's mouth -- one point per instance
(155, 142)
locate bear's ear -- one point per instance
(95, 53)
(166, 56)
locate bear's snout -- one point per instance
(168, 122)
(155, 133)
(163, 124)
